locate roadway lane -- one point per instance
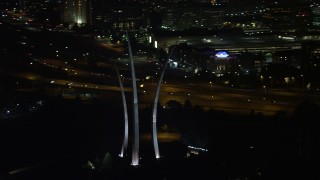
(229, 99)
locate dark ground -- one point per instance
(62, 138)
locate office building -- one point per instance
(77, 12)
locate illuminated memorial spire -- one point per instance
(125, 111)
(135, 144)
(155, 106)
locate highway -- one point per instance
(207, 95)
(230, 99)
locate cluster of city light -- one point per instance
(198, 148)
(18, 110)
(195, 150)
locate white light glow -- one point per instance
(155, 44)
(135, 144)
(79, 21)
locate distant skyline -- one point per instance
(23, 3)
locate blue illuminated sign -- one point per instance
(222, 54)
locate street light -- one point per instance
(265, 91)
(271, 81)
(210, 88)
(67, 70)
(57, 54)
(122, 78)
(145, 97)
(186, 78)
(302, 79)
(150, 77)
(286, 79)
(315, 95)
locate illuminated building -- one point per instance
(131, 17)
(11, 4)
(128, 18)
(187, 16)
(22, 5)
(311, 55)
(77, 12)
(223, 62)
(256, 30)
(316, 14)
(40, 11)
(288, 16)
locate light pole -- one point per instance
(286, 79)
(210, 88)
(302, 85)
(271, 81)
(315, 95)
(186, 77)
(57, 54)
(265, 91)
(150, 77)
(67, 70)
(145, 97)
(264, 97)
(122, 78)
